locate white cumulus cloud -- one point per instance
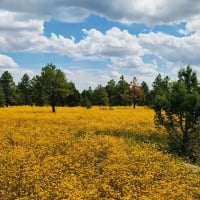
(127, 11)
(171, 48)
(20, 33)
(7, 62)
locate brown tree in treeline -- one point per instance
(135, 92)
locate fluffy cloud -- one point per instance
(64, 46)
(19, 33)
(7, 62)
(172, 49)
(97, 46)
(193, 24)
(124, 50)
(23, 29)
(119, 48)
(114, 43)
(127, 11)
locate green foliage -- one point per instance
(24, 87)
(54, 84)
(73, 99)
(9, 88)
(51, 88)
(146, 93)
(86, 98)
(2, 98)
(189, 78)
(88, 103)
(100, 96)
(122, 97)
(38, 92)
(111, 91)
(177, 108)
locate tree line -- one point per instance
(52, 88)
(176, 103)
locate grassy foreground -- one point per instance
(96, 153)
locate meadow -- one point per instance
(96, 153)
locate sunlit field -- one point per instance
(96, 153)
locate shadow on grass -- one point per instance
(153, 138)
(160, 140)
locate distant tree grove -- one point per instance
(52, 88)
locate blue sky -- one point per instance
(93, 42)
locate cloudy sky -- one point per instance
(95, 41)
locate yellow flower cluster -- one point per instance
(80, 153)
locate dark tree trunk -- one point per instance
(185, 142)
(134, 103)
(53, 108)
(53, 102)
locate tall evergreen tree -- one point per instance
(9, 88)
(38, 91)
(111, 91)
(178, 110)
(73, 99)
(160, 92)
(86, 98)
(146, 93)
(25, 89)
(122, 92)
(189, 78)
(100, 96)
(54, 83)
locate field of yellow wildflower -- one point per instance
(97, 153)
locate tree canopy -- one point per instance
(177, 107)
(9, 88)
(54, 85)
